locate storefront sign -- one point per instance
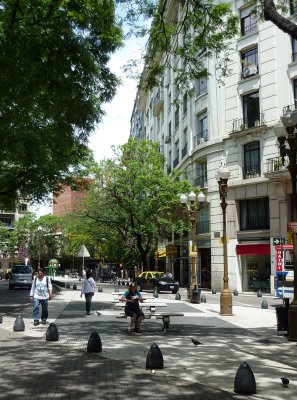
(292, 227)
(279, 259)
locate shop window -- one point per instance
(254, 214)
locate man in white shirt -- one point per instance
(41, 292)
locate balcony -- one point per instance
(249, 70)
(275, 164)
(252, 171)
(201, 137)
(158, 103)
(250, 122)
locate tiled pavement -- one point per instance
(33, 368)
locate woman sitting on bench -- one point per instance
(132, 298)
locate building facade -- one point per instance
(231, 125)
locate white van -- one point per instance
(21, 276)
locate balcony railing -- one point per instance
(249, 122)
(290, 108)
(201, 137)
(252, 171)
(275, 164)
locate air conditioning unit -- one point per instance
(250, 70)
(167, 139)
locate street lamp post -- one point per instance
(289, 135)
(226, 297)
(191, 205)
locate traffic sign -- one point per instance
(279, 240)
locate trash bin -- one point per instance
(196, 295)
(282, 318)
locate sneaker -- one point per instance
(43, 321)
(88, 313)
(138, 330)
(36, 322)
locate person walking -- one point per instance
(40, 294)
(132, 297)
(88, 288)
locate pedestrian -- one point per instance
(88, 288)
(40, 293)
(132, 297)
(169, 274)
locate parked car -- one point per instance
(156, 281)
(21, 276)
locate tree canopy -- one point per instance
(54, 78)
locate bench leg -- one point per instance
(131, 323)
(166, 322)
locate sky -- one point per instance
(115, 126)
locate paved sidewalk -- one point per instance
(33, 368)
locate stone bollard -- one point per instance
(116, 290)
(264, 304)
(100, 289)
(177, 296)
(19, 324)
(259, 293)
(203, 298)
(67, 286)
(244, 382)
(74, 287)
(52, 333)
(235, 293)
(94, 343)
(214, 291)
(156, 293)
(154, 358)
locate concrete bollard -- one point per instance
(177, 296)
(116, 289)
(67, 286)
(235, 293)
(203, 298)
(156, 294)
(94, 343)
(264, 304)
(74, 287)
(214, 291)
(154, 358)
(52, 333)
(100, 289)
(259, 293)
(244, 382)
(19, 324)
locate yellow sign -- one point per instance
(292, 227)
(171, 250)
(193, 253)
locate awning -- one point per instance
(253, 249)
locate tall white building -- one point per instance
(231, 124)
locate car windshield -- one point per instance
(21, 270)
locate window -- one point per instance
(293, 9)
(249, 60)
(248, 22)
(251, 110)
(252, 167)
(202, 129)
(201, 174)
(185, 104)
(185, 143)
(254, 214)
(176, 117)
(203, 224)
(23, 208)
(176, 152)
(294, 50)
(6, 221)
(201, 86)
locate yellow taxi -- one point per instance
(156, 281)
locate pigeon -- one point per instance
(196, 342)
(285, 381)
(98, 313)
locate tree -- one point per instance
(190, 31)
(133, 201)
(54, 78)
